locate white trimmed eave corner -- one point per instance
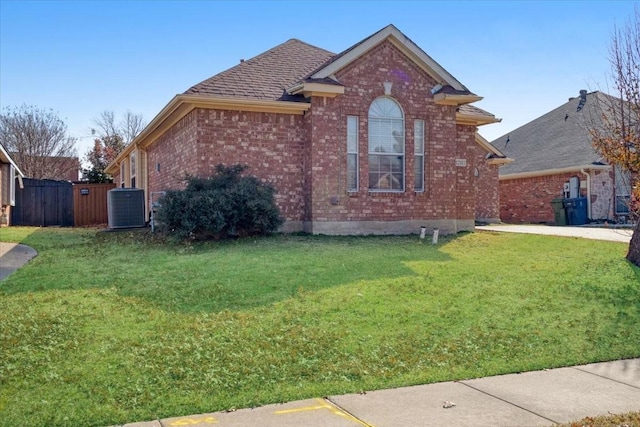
(494, 156)
(405, 45)
(476, 120)
(183, 104)
(455, 99)
(308, 89)
(570, 169)
(6, 158)
(499, 160)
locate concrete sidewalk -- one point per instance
(539, 398)
(14, 256)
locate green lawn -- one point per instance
(107, 328)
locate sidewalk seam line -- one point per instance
(363, 422)
(506, 401)
(606, 378)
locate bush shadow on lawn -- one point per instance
(214, 276)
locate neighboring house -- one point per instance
(378, 139)
(554, 158)
(57, 168)
(9, 174)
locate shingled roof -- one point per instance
(558, 139)
(265, 76)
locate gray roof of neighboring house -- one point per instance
(558, 139)
(267, 75)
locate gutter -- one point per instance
(533, 174)
(181, 105)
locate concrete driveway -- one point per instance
(614, 234)
(14, 256)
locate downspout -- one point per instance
(588, 192)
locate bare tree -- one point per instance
(38, 141)
(618, 137)
(111, 138)
(127, 128)
(105, 124)
(131, 125)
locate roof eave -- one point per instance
(500, 160)
(557, 171)
(183, 104)
(473, 119)
(496, 156)
(6, 158)
(308, 89)
(455, 98)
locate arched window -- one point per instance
(386, 146)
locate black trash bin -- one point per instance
(576, 209)
(559, 214)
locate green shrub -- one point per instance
(225, 205)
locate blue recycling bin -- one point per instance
(576, 210)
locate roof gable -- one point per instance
(557, 140)
(401, 41)
(265, 76)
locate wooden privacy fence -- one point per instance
(90, 204)
(44, 203)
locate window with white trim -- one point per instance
(418, 155)
(386, 146)
(352, 153)
(132, 168)
(623, 190)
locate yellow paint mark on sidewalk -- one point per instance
(193, 421)
(323, 404)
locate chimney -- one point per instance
(583, 99)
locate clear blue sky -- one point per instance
(83, 57)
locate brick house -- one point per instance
(379, 139)
(553, 153)
(57, 168)
(9, 174)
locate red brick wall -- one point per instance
(173, 155)
(447, 195)
(528, 200)
(271, 144)
(465, 188)
(487, 189)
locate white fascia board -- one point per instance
(559, 171)
(5, 157)
(482, 141)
